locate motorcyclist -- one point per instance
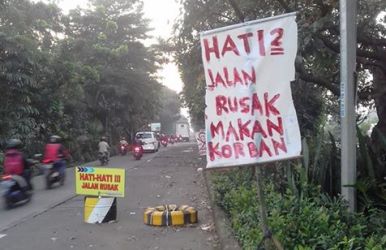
(137, 143)
(164, 139)
(55, 153)
(124, 143)
(104, 147)
(15, 163)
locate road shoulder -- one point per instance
(222, 224)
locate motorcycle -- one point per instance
(123, 149)
(138, 152)
(164, 142)
(36, 165)
(103, 158)
(15, 191)
(53, 176)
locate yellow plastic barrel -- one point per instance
(170, 215)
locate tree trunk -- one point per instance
(379, 96)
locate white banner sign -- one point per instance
(250, 116)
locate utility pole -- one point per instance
(348, 46)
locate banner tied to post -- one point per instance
(250, 116)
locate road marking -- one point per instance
(2, 235)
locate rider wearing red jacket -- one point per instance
(55, 153)
(15, 163)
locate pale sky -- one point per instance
(162, 14)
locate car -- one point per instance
(149, 140)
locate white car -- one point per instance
(149, 140)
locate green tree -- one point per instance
(79, 75)
(25, 34)
(109, 39)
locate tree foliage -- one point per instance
(80, 75)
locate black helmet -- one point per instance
(55, 139)
(14, 143)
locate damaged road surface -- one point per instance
(167, 177)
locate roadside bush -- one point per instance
(236, 195)
(313, 222)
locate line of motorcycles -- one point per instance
(15, 189)
(170, 140)
(173, 139)
(137, 151)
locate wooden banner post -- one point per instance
(250, 117)
(267, 234)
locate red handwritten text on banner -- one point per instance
(250, 115)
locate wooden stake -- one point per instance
(263, 215)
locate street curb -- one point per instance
(223, 228)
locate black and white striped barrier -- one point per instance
(99, 210)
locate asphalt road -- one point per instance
(54, 218)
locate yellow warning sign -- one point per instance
(108, 182)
